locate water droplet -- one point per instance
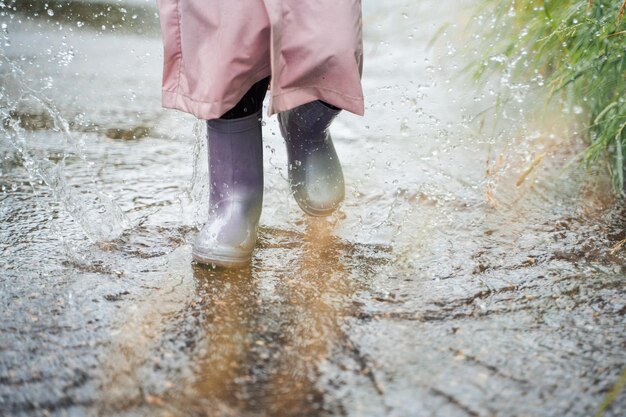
(50, 12)
(404, 127)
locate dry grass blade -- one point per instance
(530, 169)
(618, 246)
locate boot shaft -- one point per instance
(307, 123)
(235, 151)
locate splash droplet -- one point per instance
(404, 127)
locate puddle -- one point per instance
(467, 273)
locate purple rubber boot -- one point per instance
(315, 174)
(236, 192)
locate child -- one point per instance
(219, 58)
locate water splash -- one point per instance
(193, 202)
(98, 215)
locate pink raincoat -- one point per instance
(215, 50)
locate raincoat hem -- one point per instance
(208, 110)
(288, 100)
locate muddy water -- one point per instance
(467, 273)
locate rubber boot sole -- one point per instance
(316, 212)
(223, 261)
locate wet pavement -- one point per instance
(467, 274)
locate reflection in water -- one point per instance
(266, 335)
(229, 304)
(251, 340)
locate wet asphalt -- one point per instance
(467, 273)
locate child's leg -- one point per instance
(251, 102)
(315, 174)
(316, 70)
(235, 152)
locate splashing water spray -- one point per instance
(98, 215)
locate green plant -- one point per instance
(612, 395)
(578, 49)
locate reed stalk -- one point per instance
(579, 48)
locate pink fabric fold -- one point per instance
(215, 50)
